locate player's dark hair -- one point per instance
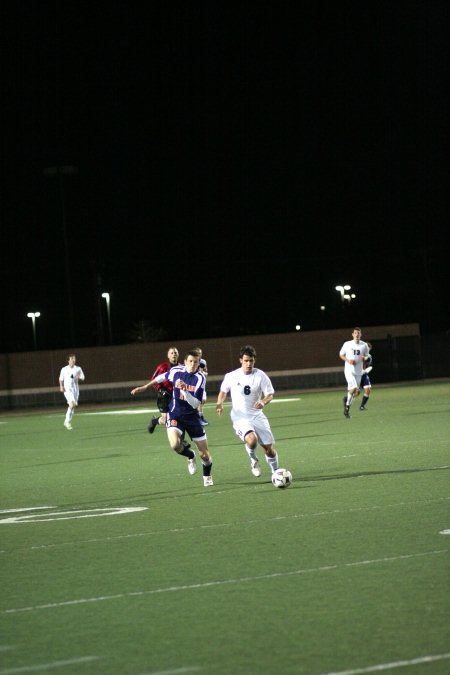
(248, 350)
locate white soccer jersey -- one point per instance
(245, 390)
(355, 351)
(70, 376)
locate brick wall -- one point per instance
(134, 363)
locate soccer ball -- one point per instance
(282, 478)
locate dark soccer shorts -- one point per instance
(189, 424)
(163, 401)
(365, 381)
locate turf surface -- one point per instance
(115, 561)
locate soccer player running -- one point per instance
(250, 390)
(203, 367)
(353, 353)
(183, 417)
(366, 384)
(164, 389)
(69, 378)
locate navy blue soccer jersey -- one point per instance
(195, 385)
(365, 379)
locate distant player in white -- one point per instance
(250, 390)
(353, 353)
(69, 378)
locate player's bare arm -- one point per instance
(144, 387)
(220, 399)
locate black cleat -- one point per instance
(362, 407)
(347, 411)
(153, 424)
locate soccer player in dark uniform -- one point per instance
(203, 367)
(365, 379)
(164, 389)
(183, 416)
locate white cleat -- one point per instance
(68, 425)
(256, 471)
(207, 480)
(192, 466)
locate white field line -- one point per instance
(240, 523)
(27, 508)
(176, 671)
(72, 514)
(141, 411)
(44, 667)
(394, 664)
(220, 582)
(131, 411)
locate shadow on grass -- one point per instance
(362, 474)
(143, 499)
(427, 412)
(94, 458)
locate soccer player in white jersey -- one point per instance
(69, 378)
(353, 353)
(250, 390)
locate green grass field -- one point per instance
(115, 561)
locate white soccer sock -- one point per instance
(272, 462)
(251, 453)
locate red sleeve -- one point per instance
(162, 368)
(159, 370)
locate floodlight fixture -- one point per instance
(108, 313)
(33, 316)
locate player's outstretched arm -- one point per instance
(143, 387)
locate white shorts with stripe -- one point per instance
(259, 424)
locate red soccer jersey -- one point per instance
(163, 368)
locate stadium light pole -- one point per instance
(108, 314)
(33, 316)
(60, 172)
(342, 290)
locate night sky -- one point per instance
(232, 162)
